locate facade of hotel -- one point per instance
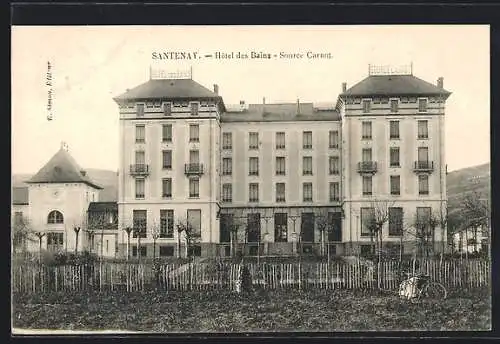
(273, 179)
(262, 179)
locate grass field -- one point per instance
(219, 311)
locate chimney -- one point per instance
(344, 87)
(216, 89)
(440, 82)
(298, 106)
(264, 105)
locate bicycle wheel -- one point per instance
(435, 291)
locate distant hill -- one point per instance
(467, 180)
(105, 178)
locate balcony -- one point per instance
(367, 167)
(139, 170)
(423, 166)
(193, 169)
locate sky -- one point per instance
(90, 65)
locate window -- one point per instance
(166, 187)
(395, 182)
(394, 157)
(307, 191)
(55, 241)
(280, 227)
(167, 109)
(55, 217)
(422, 105)
(18, 218)
(423, 184)
(166, 223)
(307, 169)
(194, 188)
(139, 223)
(423, 154)
(194, 108)
(167, 133)
(194, 133)
(140, 109)
(280, 166)
(140, 133)
(194, 251)
(227, 192)
(394, 129)
(167, 159)
(367, 221)
(253, 166)
(367, 185)
(334, 165)
(307, 140)
(366, 154)
(107, 246)
(395, 221)
(334, 191)
(253, 192)
(166, 251)
(280, 140)
(194, 157)
(227, 141)
(423, 219)
(139, 188)
(144, 251)
(423, 129)
(253, 141)
(394, 105)
(366, 130)
(367, 105)
(280, 192)
(194, 221)
(333, 139)
(227, 166)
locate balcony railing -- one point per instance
(193, 168)
(423, 166)
(139, 170)
(367, 167)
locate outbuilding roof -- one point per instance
(62, 168)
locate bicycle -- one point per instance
(421, 286)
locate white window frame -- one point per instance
(390, 105)
(137, 109)
(363, 105)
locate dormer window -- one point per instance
(111, 218)
(140, 109)
(167, 109)
(367, 105)
(394, 105)
(422, 105)
(194, 108)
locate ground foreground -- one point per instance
(219, 311)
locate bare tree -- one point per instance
(22, 233)
(155, 234)
(323, 226)
(191, 235)
(76, 229)
(377, 221)
(128, 230)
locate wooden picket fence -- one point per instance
(31, 278)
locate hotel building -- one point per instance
(276, 179)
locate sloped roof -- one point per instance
(168, 89)
(103, 207)
(62, 168)
(387, 85)
(20, 195)
(284, 112)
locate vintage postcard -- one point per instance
(235, 179)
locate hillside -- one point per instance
(105, 178)
(467, 180)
